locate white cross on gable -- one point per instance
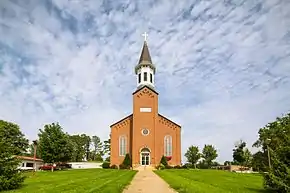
(145, 36)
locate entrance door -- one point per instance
(145, 157)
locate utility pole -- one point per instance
(269, 159)
(34, 157)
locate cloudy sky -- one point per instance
(223, 67)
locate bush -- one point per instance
(127, 161)
(177, 167)
(124, 167)
(114, 167)
(106, 165)
(160, 167)
(186, 166)
(163, 161)
(168, 167)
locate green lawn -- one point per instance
(80, 181)
(213, 181)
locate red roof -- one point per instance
(29, 158)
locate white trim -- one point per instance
(143, 133)
(122, 145)
(144, 148)
(168, 145)
(149, 157)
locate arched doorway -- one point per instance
(145, 157)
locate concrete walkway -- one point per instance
(147, 181)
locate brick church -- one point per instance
(145, 134)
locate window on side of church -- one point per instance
(151, 78)
(122, 145)
(167, 145)
(145, 76)
(139, 77)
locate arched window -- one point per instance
(167, 145)
(122, 145)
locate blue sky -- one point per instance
(223, 67)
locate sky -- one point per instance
(223, 67)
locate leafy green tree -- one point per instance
(79, 151)
(239, 153)
(209, 153)
(275, 138)
(227, 163)
(12, 142)
(54, 144)
(260, 161)
(192, 155)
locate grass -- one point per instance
(80, 180)
(213, 181)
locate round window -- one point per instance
(145, 131)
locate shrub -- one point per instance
(114, 167)
(177, 167)
(168, 167)
(122, 167)
(106, 165)
(163, 161)
(160, 167)
(185, 166)
(127, 161)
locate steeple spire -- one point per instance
(145, 55)
(145, 70)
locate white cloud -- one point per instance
(222, 67)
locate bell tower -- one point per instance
(145, 70)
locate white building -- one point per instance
(27, 163)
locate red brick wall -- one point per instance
(157, 125)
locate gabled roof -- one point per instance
(145, 86)
(121, 120)
(169, 120)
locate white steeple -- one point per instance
(145, 70)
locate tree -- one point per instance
(192, 155)
(275, 139)
(227, 163)
(98, 146)
(248, 157)
(239, 153)
(12, 142)
(107, 147)
(260, 161)
(54, 144)
(209, 153)
(87, 144)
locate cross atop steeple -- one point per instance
(145, 35)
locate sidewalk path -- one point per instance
(147, 181)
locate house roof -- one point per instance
(28, 158)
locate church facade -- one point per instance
(145, 135)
